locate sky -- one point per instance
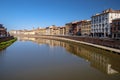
(29, 14)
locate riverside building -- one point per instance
(115, 28)
(86, 28)
(101, 23)
(3, 31)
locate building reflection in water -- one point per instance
(102, 60)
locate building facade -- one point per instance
(101, 23)
(115, 28)
(62, 31)
(42, 31)
(47, 31)
(3, 31)
(86, 28)
(52, 29)
(68, 28)
(73, 28)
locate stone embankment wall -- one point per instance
(3, 39)
(104, 42)
(99, 43)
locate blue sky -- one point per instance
(26, 14)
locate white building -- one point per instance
(101, 23)
(29, 32)
(47, 30)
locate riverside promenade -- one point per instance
(106, 44)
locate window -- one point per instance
(114, 23)
(118, 35)
(106, 29)
(102, 25)
(114, 35)
(99, 20)
(103, 18)
(118, 23)
(114, 28)
(118, 27)
(99, 25)
(92, 21)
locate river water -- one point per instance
(43, 59)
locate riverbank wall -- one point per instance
(6, 41)
(106, 44)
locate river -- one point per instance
(44, 59)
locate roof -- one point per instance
(107, 11)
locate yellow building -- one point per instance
(68, 28)
(62, 31)
(42, 31)
(30, 32)
(58, 31)
(52, 30)
(86, 28)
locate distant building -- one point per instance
(56, 31)
(82, 27)
(22, 32)
(12, 32)
(41, 31)
(31, 32)
(73, 28)
(101, 22)
(47, 31)
(3, 31)
(115, 28)
(62, 31)
(86, 28)
(68, 28)
(52, 30)
(59, 31)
